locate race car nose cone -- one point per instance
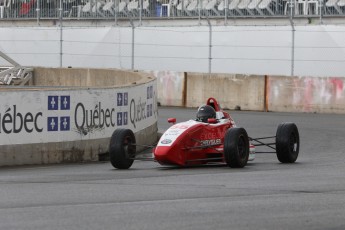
(166, 155)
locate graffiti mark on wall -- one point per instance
(307, 94)
(170, 85)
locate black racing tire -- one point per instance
(121, 150)
(287, 142)
(236, 147)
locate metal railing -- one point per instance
(15, 74)
(148, 9)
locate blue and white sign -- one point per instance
(119, 119)
(125, 118)
(53, 124)
(125, 99)
(119, 99)
(53, 102)
(64, 123)
(65, 102)
(49, 116)
(56, 103)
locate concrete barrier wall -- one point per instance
(306, 94)
(230, 90)
(85, 77)
(193, 89)
(46, 123)
(256, 93)
(66, 151)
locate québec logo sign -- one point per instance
(15, 121)
(58, 103)
(60, 114)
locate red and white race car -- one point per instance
(212, 137)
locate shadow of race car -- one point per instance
(212, 137)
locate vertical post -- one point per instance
(199, 11)
(266, 94)
(183, 8)
(140, 12)
(184, 90)
(60, 22)
(292, 37)
(209, 46)
(226, 8)
(116, 9)
(321, 10)
(38, 14)
(132, 24)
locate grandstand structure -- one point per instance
(148, 9)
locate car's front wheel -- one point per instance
(236, 147)
(122, 148)
(287, 142)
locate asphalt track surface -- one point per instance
(266, 194)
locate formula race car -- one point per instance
(212, 137)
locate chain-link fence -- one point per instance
(148, 9)
(296, 50)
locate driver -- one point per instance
(205, 112)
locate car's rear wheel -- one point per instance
(287, 142)
(122, 148)
(236, 147)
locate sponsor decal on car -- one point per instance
(211, 142)
(166, 141)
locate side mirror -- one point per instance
(212, 120)
(172, 120)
